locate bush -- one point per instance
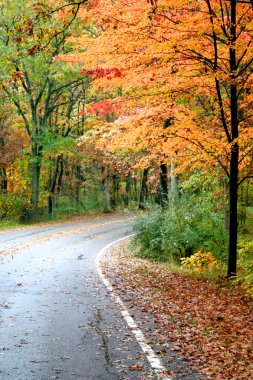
(194, 225)
(245, 267)
(149, 237)
(13, 207)
(245, 256)
(199, 263)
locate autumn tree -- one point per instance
(216, 37)
(32, 36)
(190, 62)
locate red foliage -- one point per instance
(103, 108)
(99, 72)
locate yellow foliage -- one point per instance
(245, 268)
(246, 249)
(246, 282)
(199, 263)
(17, 178)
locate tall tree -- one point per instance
(32, 36)
(190, 61)
(217, 37)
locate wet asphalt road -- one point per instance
(57, 320)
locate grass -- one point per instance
(9, 224)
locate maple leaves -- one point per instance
(206, 323)
(162, 64)
(187, 62)
(100, 72)
(103, 108)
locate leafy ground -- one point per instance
(208, 324)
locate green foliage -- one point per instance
(43, 89)
(245, 255)
(56, 145)
(194, 224)
(91, 200)
(13, 207)
(245, 267)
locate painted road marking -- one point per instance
(153, 359)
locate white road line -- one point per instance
(153, 359)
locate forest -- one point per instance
(139, 106)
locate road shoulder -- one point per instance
(199, 331)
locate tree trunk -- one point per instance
(107, 193)
(233, 223)
(234, 157)
(173, 187)
(163, 185)
(127, 192)
(52, 187)
(35, 183)
(115, 191)
(242, 214)
(59, 182)
(50, 204)
(3, 181)
(144, 189)
(78, 184)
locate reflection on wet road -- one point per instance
(56, 319)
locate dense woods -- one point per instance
(133, 105)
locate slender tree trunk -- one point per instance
(135, 189)
(173, 187)
(59, 182)
(242, 215)
(144, 189)
(35, 182)
(78, 184)
(107, 183)
(115, 191)
(234, 157)
(50, 205)
(233, 223)
(3, 181)
(225, 185)
(127, 192)
(52, 186)
(164, 185)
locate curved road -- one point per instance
(57, 320)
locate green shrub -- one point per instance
(148, 228)
(12, 207)
(245, 267)
(194, 225)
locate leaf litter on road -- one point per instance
(208, 325)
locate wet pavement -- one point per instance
(57, 320)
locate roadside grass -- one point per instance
(9, 224)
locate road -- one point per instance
(57, 319)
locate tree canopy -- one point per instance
(154, 86)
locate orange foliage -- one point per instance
(173, 60)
